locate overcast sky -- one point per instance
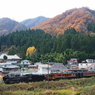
(20, 10)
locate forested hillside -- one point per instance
(49, 48)
(77, 18)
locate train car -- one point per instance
(55, 76)
(88, 74)
(69, 75)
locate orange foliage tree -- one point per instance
(30, 51)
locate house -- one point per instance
(58, 67)
(8, 63)
(84, 65)
(43, 69)
(25, 62)
(40, 68)
(72, 61)
(89, 60)
(4, 64)
(10, 68)
(38, 63)
(91, 67)
(74, 67)
(51, 63)
(10, 57)
(87, 66)
(12, 62)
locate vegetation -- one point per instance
(91, 27)
(77, 18)
(84, 86)
(49, 48)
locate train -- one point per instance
(17, 78)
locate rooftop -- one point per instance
(11, 66)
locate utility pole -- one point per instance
(48, 76)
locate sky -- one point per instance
(20, 10)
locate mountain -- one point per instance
(77, 18)
(7, 26)
(32, 22)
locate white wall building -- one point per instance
(84, 65)
(43, 69)
(10, 57)
(88, 66)
(91, 67)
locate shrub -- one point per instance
(67, 92)
(89, 90)
(49, 92)
(3, 88)
(79, 93)
(7, 93)
(30, 88)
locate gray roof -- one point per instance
(50, 63)
(58, 66)
(11, 66)
(25, 61)
(37, 63)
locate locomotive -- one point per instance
(17, 78)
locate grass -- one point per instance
(84, 86)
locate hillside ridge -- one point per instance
(8, 25)
(77, 18)
(34, 21)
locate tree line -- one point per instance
(49, 48)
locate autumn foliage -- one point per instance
(30, 51)
(74, 18)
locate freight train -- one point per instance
(17, 78)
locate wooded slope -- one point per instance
(77, 18)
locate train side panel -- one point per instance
(60, 76)
(88, 74)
